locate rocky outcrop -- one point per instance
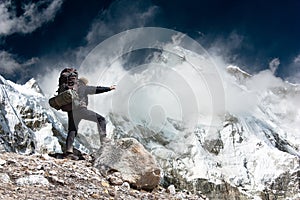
(204, 187)
(42, 177)
(285, 186)
(14, 135)
(131, 163)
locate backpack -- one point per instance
(67, 98)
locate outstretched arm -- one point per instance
(98, 89)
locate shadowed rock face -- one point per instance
(128, 157)
(285, 186)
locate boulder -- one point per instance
(129, 158)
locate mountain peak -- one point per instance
(2, 80)
(238, 73)
(32, 84)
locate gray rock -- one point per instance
(127, 156)
(2, 162)
(2, 148)
(115, 178)
(32, 180)
(171, 189)
(4, 178)
(126, 186)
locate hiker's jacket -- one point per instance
(85, 90)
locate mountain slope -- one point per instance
(27, 123)
(256, 149)
(253, 153)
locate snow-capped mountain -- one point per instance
(27, 123)
(253, 154)
(248, 150)
(249, 153)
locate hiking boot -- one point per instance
(71, 156)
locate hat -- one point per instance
(84, 80)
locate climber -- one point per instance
(77, 114)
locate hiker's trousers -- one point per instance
(74, 118)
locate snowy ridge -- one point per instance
(238, 72)
(28, 124)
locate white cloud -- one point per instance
(121, 16)
(225, 46)
(294, 71)
(34, 15)
(297, 59)
(49, 82)
(273, 65)
(9, 64)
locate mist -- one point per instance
(182, 81)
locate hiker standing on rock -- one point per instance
(73, 98)
(76, 115)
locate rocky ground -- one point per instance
(44, 177)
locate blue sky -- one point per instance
(38, 35)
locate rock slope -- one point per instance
(40, 176)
